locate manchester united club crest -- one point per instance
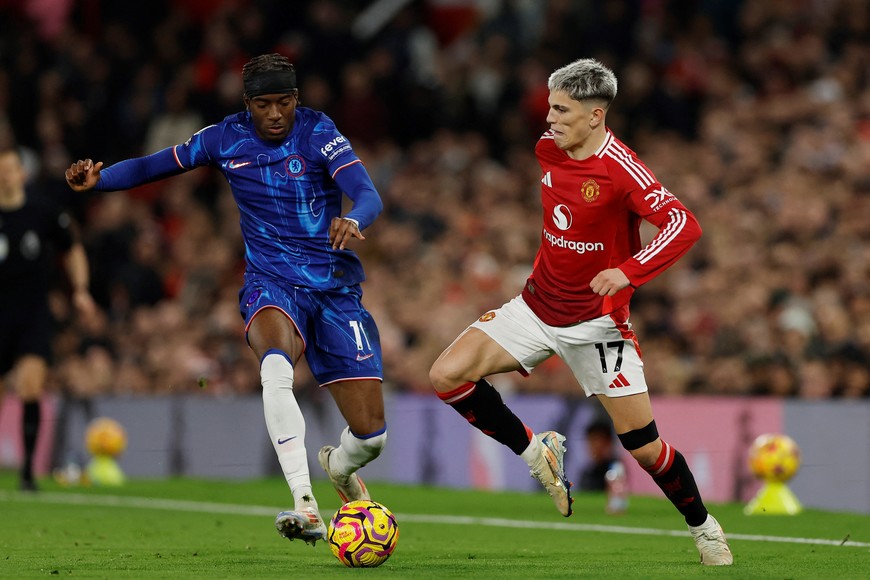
(590, 190)
(487, 317)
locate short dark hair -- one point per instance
(269, 74)
(266, 63)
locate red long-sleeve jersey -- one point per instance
(592, 214)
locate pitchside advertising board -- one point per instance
(429, 443)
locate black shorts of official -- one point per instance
(26, 327)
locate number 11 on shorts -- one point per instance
(360, 333)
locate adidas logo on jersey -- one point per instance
(547, 180)
(619, 381)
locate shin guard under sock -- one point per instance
(482, 406)
(285, 423)
(671, 473)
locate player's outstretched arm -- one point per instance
(83, 174)
(127, 174)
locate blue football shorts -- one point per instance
(341, 339)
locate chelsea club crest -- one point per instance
(295, 166)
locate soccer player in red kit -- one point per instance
(595, 193)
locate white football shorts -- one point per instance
(602, 353)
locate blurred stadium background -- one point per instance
(755, 113)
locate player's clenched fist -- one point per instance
(83, 174)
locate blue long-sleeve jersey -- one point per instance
(287, 193)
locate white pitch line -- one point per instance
(252, 510)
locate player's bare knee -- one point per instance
(448, 374)
(647, 455)
(643, 444)
(440, 378)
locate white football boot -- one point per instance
(550, 471)
(711, 543)
(305, 524)
(349, 487)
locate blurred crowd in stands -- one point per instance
(756, 114)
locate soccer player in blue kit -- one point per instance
(288, 168)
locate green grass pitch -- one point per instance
(184, 528)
